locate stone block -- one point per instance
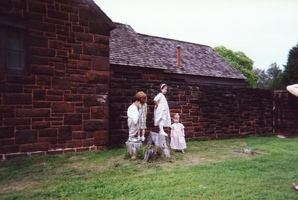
(42, 69)
(16, 155)
(39, 94)
(79, 135)
(90, 101)
(58, 15)
(26, 136)
(102, 89)
(62, 107)
(99, 112)
(40, 125)
(36, 40)
(97, 77)
(17, 99)
(64, 134)
(95, 49)
(16, 121)
(74, 144)
(51, 132)
(93, 125)
(6, 109)
(88, 142)
(6, 132)
(100, 63)
(60, 83)
(41, 104)
(72, 119)
(36, 112)
(101, 39)
(37, 7)
(20, 79)
(103, 30)
(73, 97)
(42, 146)
(38, 51)
(84, 65)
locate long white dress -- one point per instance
(177, 136)
(162, 111)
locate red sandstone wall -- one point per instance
(61, 103)
(285, 113)
(208, 112)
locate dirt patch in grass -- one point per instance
(18, 186)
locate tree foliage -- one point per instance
(241, 62)
(267, 78)
(290, 73)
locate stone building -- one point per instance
(68, 72)
(208, 93)
(54, 76)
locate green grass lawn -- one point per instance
(216, 169)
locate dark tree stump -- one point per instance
(157, 147)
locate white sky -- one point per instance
(265, 30)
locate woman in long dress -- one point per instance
(162, 116)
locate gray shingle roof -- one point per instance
(130, 48)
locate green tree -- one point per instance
(241, 62)
(264, 80)
(268, 79)
(290, 74)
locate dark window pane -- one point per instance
(14, 40)
(14, 59)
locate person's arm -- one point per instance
(156, 99)
(135, 115)
(155, 103)
(293, 89)
(182, 131)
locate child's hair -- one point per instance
(162, 86)
(135, 98)
(142, 96)
(176, 116)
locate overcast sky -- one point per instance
(265, 30)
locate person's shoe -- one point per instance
(143, 138)
(182, 151)
(139, 138)
(163, 133)
(132, 139)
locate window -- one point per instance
(13, 53)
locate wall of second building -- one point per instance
(208, 112)
(60, 103)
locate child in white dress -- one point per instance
(162, 116)
(177, 135)
(142, 115)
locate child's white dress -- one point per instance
(177, 136)
(162, 111)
